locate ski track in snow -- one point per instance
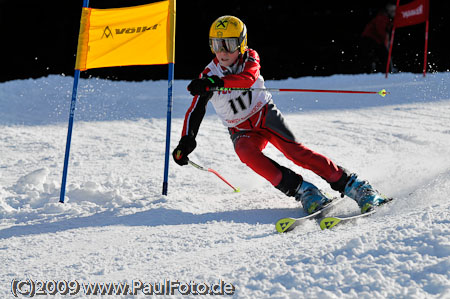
(116, 226)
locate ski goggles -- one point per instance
(224, 44)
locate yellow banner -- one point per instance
(138, 35)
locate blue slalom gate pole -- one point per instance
(69, 135)
(76, 78)
(168, 127)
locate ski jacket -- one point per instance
(233, 107)
(378, 29)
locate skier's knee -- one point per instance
(246, 153)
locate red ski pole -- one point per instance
(382, 92)
(215, 172)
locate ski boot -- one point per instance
(363, 193)
(311, 198)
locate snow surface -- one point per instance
(117, 227)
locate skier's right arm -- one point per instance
(192, 121)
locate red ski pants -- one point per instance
(268, 125)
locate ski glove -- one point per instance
(186, 145)
(203, 86)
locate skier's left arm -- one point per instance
(249, 75)
(244, 79)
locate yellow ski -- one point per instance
(329, 222)
(285, 225)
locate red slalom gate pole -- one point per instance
(382, 92)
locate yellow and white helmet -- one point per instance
(228, 33)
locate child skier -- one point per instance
(253, 120)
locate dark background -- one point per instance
(293, 38)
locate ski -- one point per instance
(329, 222)
(285, 225)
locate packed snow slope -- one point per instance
(117, 227)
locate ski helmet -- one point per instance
(228, 33)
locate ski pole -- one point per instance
(382, 92)
(215, 172)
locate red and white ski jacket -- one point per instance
(378, 29)
(233, 107)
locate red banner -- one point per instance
(412, 13)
